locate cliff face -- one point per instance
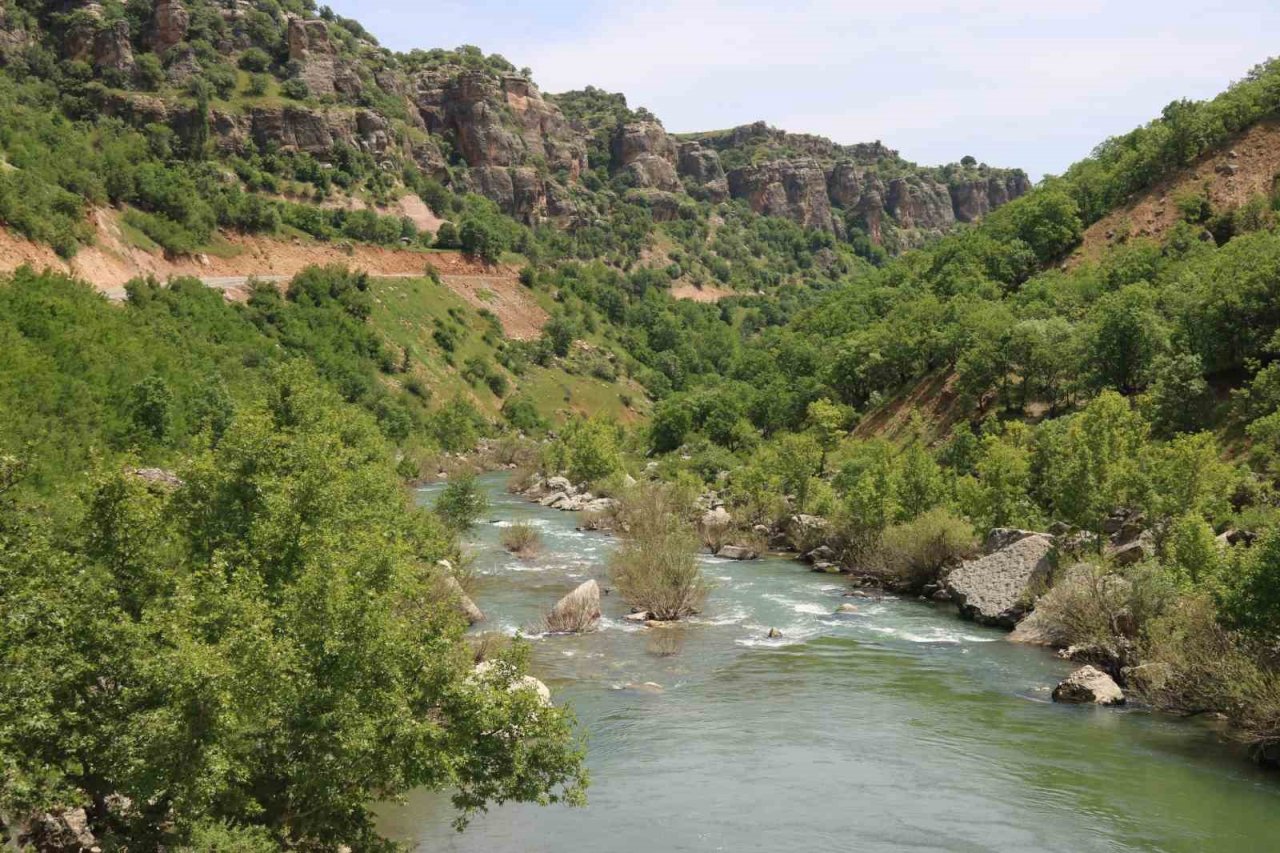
(477, 124)
(821, 184)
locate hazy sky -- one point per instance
(1023, 83)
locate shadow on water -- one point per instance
(897, 728)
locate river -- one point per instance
(899, 728)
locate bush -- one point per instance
(913, 554)
(255, 59)
(295, 88)
(585, 451)
(521, 539)
(656, 567)
(461, 503)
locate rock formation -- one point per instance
(997, 589)
(795, 189)
(702, 167)
(169, 24)
(645, 152)
(1089, 685)
(578, 611)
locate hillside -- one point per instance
(337, 271)
(288, 100)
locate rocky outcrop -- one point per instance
(1089, 685)
(919, 203)
(169, 24)
(497, 121)
(66, 831)
(973, 199)
(701, 166)
(518, 190)
(112, 50)
(795, 189)
(645, 152)
(577, 612)
(14, 40)
(315, 58)
(806, 533)
(998, 589)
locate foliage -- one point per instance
(655, 566)
(521, 539)
(461, 504)
(261, 645)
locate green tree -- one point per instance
(461, 503)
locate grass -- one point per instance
(522, 539)
(408, 310)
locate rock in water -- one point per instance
(998, 588)
(1089, 685)
(578, 611)
(774, 633)
(847, 608)
(736, 552)
(465, 605)
(524, 682)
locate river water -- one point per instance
(899, 728)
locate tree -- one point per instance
(1179, 397)
(462, 503)
(151, 406)
(265, 645)
(482, 239)
(1124, 337)
(829, 422)
(447, 236)
(796, 458)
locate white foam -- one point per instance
(812, 609)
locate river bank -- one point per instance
(899, 727)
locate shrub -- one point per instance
(521, 539)
(461, 503)
(656, 567)
(914, 553)
(295, 88)
(255, 59)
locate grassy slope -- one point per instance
(409, 310)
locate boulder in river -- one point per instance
(462, 601)
(736, 552)
(998, 589)
(847, 608)
(638, 616)
(524, 682)
(1035, 630)
(577, 612)
(774, 633)
(1087, 685)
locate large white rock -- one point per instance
(578, 611)
(1086, 685)
(998, 589)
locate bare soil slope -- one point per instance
(1232, 176)
(112, 261)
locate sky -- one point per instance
(1028, 83)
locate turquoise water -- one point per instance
(898, 728)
